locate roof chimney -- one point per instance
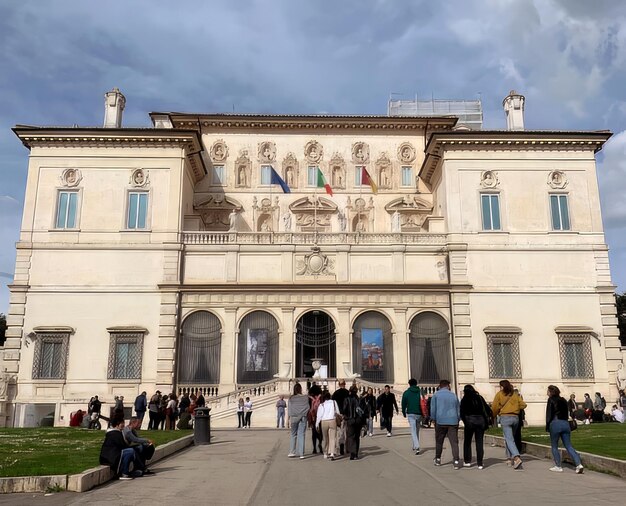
(114, 103)
(514, 109)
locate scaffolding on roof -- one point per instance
(469, 112)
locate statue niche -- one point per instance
(384, 171)
(361, 215)
(243, 170)
(265, 214)
(290, 170)
(337, 171)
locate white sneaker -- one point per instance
(556, 469)
(325, 456)
(388, 434)
(579, 469)
(481, 467)
(302, 457)
(291, 455)
(467, 464)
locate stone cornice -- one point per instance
(49, 137)
(505, 140)
(333, 124)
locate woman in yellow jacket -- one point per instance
(508, 404)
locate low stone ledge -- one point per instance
(595, 462)
(32, 483)
(98, 475)
(82, 482)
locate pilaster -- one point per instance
(228, 354)
(166, 351)
(344, 340)
(462, 338)
(286, 344)
(400, 347)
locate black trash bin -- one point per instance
(202, 427)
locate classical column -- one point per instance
(228, 354)
(401, 351)
(343, 343)
(286, 345)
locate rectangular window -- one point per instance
(576, 357)
(490, 204)
(311, 175)
(358, 173)
(560, 212)
(137, 210)
(66, 209)
(50, 357)
(407, 176)
(219, 174)
(266, 174)
(504, 359)
(125, 355)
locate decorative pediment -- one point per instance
(313, 213)
(408, 213)
(215, 209)
(409, 203)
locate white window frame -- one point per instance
(490, 194)
(311, 176)
(266, 175)
(219, 175)
(569, 212)
(148, 223)
(55, 218)
(411, 179)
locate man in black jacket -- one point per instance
(339, 396)
(116, 453)
(386, 404)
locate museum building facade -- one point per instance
(218, 252)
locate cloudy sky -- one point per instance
(57, 58)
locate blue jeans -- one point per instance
(414, 422)
(370, 425)
(298, 430)
(509, 424)
(560, 429)
(128, 456)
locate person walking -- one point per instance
(571, 406)
(475, 417)
(141, 405)
(588, 407)
(327, 423)
(247, 409)
(521, 417)
(507, 404)
(240, 414)
(339, 396)
(445, 412)
(315, 396)
(355, 419)
(558, 427)
(297, 409)
(386, 404)
(281, 405)
(370, 403)
(412, 410)
(171, 411)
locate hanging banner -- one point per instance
(256, 350)
(372, 349)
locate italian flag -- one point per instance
(321, 182)
(367, 179)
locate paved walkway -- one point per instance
(251, 467)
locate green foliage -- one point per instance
(606, 439)
(59, 450)
(53, 489)
(620, 301)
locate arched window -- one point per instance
(199, 349)
(257, 348)
(372, 347)
(429, 342)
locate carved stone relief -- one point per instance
(361, 215)
(139, 178)
(243, 170)
(408, 213)
(291, 170)
(406, 152)
(219, 151)
(313, 152)
(384, 171)
(360, 153)
(315, 264)
(489, 179)
(337, 171)
(265, 214)
(71, 177)
(557, 179)
(313, 213)
(267, 152)
(218, 212)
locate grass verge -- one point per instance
(59, 450)
(606, 439)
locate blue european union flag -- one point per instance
(276, 179)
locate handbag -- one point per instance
(573, 424)
(338, 416)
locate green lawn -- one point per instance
(63, 450)
(605, 439)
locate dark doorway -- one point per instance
(315, 338)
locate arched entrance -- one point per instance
(372, 347)
(199, 350)
(431, 354)
(315, 338)
(257, 348)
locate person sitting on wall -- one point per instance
(617, 414)
(117, 454)
(76, 418)
(143, 447)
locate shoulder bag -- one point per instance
(338, 415)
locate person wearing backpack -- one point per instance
(412, 410)
(355, 416)
(475, 416)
